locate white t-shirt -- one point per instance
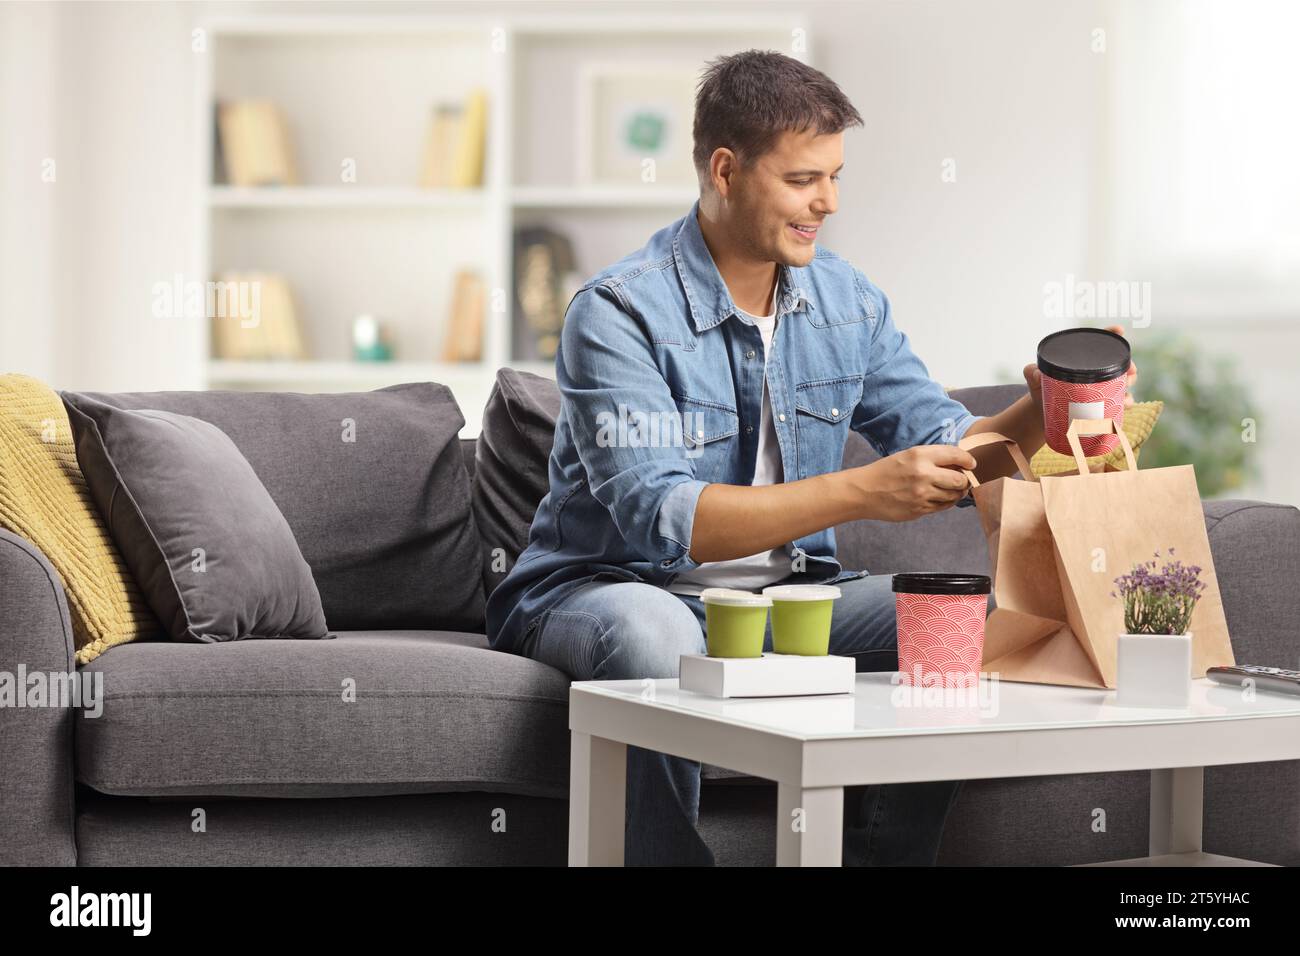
(756, 571)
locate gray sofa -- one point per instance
(221, 754)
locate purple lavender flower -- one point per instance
(1159, 602)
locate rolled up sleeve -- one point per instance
(626, 428)
(901, 405)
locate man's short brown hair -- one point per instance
(747, 100)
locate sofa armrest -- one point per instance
(1256, 550)
(37, 821)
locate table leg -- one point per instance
(1177, 805)
(809, 825)
(597, 800)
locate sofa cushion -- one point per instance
(373, 712)
(433, 711)
(511, 466)
(203, 539)
(374, 487)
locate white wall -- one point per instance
(28, 312)
(105, 91)
(1010, 92)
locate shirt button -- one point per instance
(781, 416)
(700, 433)
(835, 413)
(750, 354)
(749, 429)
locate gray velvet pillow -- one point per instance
(208, 547)
(511, 461)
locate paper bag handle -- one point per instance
(1097, 426)
(993, 438)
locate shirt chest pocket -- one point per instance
(709, 435)
(823, 410)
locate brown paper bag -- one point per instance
(1055, 548)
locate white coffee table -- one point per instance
(814, 747)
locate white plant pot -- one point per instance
(1154, 670)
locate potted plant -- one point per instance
(1155, 655)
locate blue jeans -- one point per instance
(623, 630)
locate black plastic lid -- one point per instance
(938, 582)
(1084, 355)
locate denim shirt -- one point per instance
(661, 386)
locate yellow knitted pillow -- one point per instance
(1139, 419)
(44, 498)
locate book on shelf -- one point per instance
(456, 144)
(464, 338)
(255, 147)
(254, 317)
(440, 149)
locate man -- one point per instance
(763, 350)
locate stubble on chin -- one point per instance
(766, 243)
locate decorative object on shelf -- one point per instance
(634, 123)
(370, 340)
(456, 144)
(544, 274)
(1155, 652)
(264, 325)
(255, 145)
(1139, 420)
(464, 338)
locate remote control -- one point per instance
(1265, 678)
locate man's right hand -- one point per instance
(914, 482)
(732, 521)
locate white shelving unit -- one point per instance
(361, 90)
(345, 197)
(595, 197)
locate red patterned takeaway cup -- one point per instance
(1084, 376)
(940, 627)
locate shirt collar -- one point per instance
(707, 294)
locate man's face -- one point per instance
(794, 184)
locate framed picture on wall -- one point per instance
(634, 123)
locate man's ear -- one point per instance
(722, 166)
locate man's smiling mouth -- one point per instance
(805, 230)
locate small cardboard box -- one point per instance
(772, 675)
